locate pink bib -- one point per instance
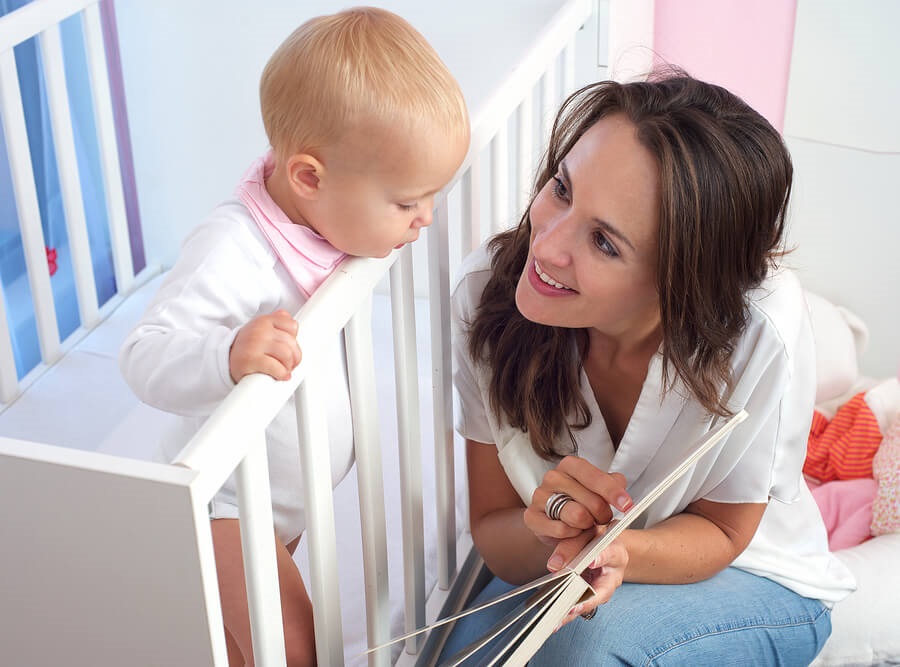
(308, 257)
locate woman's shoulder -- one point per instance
(779, 303)
(777, 308)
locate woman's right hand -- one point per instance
(605, 573)
(593, 492)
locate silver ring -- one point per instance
(588, 615)
(555, 503)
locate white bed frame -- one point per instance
(92, 589)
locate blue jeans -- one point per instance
(733, 618)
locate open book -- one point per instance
(526, 628)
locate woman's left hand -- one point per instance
(604, 575)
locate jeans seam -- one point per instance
(753, 626)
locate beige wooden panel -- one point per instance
(100, 562)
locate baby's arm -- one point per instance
(222, 288)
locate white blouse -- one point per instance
(761, 461)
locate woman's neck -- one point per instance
(633, 351)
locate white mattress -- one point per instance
(83, 402)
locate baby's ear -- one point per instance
(304, 173)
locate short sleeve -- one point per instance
(472, 420)
(774, 370)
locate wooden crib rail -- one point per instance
(342, 305)
(41, 18)
(488, 192)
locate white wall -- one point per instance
(191, 74)
(841, 127)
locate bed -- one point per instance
(387, 551)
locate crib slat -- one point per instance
(500, 180)
(258, 547)
(549, 97)
(568, 67)
(524, 152)
(361, 374)
(9, 386)
(470, 229)
(33, 17)
(69, 180)
(109, 156)
(439, 309)
(315, 469)
(410, 451)
(27, 207)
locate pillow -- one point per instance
(886, 471)
(864, 624)
(840, 336)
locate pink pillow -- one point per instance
(846, 508)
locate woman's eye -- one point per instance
(604, 245)
(560, 190)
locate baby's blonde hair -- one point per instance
(339, 72)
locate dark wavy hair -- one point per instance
(725, 178)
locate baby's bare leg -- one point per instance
(296, 609)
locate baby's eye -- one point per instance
(560, 191)
(406, 207)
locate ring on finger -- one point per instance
(555, 503)
(588, 615)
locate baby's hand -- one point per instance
(267, 344)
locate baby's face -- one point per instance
(377, 195)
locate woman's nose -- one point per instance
(554, 238)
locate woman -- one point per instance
(636, 305)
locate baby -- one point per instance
(366, 125)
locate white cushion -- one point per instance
(866, 624)
(840, 336)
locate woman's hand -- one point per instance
(604, 575)
(592, 492)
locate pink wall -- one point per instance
(743, 46)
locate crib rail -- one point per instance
(41, 19)
(341, 306)
(486, 195)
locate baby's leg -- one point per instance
(295, 605)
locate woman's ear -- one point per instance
(304, 173)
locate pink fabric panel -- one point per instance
(743, 46)
(846, 507)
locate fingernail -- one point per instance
(555, 563)
(623, 502)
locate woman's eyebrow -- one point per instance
(607, 227)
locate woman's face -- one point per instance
(592, 260)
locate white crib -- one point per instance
(81, 583)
